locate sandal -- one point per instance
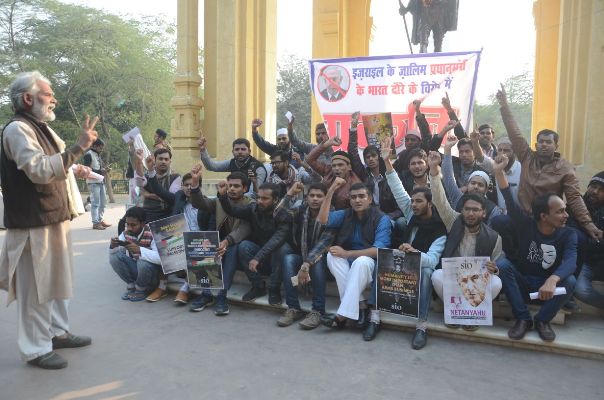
(137, 295)
(332, 321)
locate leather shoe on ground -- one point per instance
(156, 295)
(98, 227)
(49, 360)
(419, 339)
(371, 331)
(105, 224)
(181, 297)
(71, 341)
(254, 293)
(545, 331)
(520, 328)
(331, 321)
(363, 318)
(274, 296)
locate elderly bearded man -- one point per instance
(36, 266)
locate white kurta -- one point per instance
(49, 246)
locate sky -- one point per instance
(504, 29)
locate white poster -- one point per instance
(381, 84)
(467, 291)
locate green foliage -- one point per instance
(294, 94)
(101, 64)
(519, 90)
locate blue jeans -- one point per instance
(247, 251)
(229, 267)
(143, 274)
(97, 201)
(517, 287)
(585, 291)
(290, 265)
(425, 294)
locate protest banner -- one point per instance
(398, 278)
(467, 291)
(204, 268)
(389, 84)
(168, 236)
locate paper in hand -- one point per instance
(557, 292)
(289, 116)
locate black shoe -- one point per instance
(419, 339)
(50, 360)
(201, 302)
(71, 341)
(332, 321)
(370, 332)
(254, 293)
(222, 306)
(274, 296)
(520, 328)
(363, 318)
(545, 331)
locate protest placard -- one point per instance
(204, 268)
(467, 291)
(168, 236)
(398, 282)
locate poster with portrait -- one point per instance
(204, 268)
(390, 84)
(168, 236)
(377, 127)
(467, 291)
(398, 282)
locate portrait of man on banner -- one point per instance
(333, 83)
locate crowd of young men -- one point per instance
(313, 213)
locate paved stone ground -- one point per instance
(158, 351)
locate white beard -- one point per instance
(42, 112)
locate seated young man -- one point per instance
(306, 147)
(284, 174)
(303, 254)
(242, 161)
(546, 258)
(269, 232)
(593, 263)
(361, 230)
(231, 231)
(426, 234)
(478, 183)
(468, 235)
(134, 257)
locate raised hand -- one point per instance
(450, 125)
(451, 141)
(502, 96)
(500, 162)
(385, 147)
(434, 160)
(355, 119)
(474, 135)
(417, 104)
(195, 175)
(336, 141)
(295, 189)
(256, 123)
(338, 183)
(88, 135)
(446, 102)
(150, 162)
(221, 188)
(202, 144)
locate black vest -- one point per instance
(28, 204)
(485, 241)
(250, 164)
(158, 209)
(369, 224)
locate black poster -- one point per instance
(204, 268)
(398, 278)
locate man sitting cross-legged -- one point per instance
(425, 234)
(231, 231)
(268, 234)
(134, 257)
(546, 257)
(468, 235)
(308, 242)
(361, 230)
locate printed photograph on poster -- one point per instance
(377, 126)
(467, 291)
(168, 236)
(204, 268)
(398, 278)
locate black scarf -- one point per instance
(428, 231)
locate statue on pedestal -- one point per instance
(436, 16)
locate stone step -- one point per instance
(581, 336)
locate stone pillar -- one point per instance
(186, 126)
(341, 28)
(574, 101)
(240, 56)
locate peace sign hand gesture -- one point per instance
(88, 135)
